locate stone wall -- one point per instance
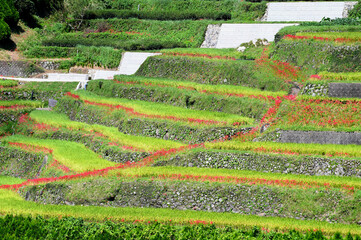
(211, 37)
(344, 90)
(276, 163)
(335, 89)
(321, 137)
(18, 69)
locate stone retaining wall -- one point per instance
(344, 90)
(18, 69)
(321, 137)
(338, 90)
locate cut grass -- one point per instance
(5, 180)
(341, 77)
(11, 203)
(163, 110)
(21, 103)
(221, 89)
(73, 155)
(148, 144)
(329, 181)
(299, 148)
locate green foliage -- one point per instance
(341, 77)
(73, 155)
(355, 13)
(5, 31)
(293, 30)
(9, 13)
(156, 15)
(18, 163)
(8, 83)
(171, 93)
(14, 227)
(213, 72)
(247, 11)
(129, 45)
(319, 56)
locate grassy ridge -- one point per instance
(8, 83)
(341, 77)
(4, 180)
(33, 104)
(294, 148)
(73, 155)
(329, 181)
(11, 203)
(222, 89)
(164, 110)
(144, 143)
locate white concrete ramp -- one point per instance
(233, 35)
(305, 11)
(130, 63)
(67, 77)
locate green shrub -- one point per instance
(9, 12)
(126, 45)
(5, 31)
(156, 15)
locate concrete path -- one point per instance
(305, 11)
(233, 35)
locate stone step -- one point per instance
(233, 35)
(306, 11)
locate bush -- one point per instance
(126, 45)
(5, 31)
(156, 15)
(9, 12)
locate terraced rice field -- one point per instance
(192, 144)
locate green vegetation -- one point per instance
(189, 95)
(10, 180)
(138, 142)
(330, 181)
(60, 228)
(105, 57)
(213, 72)
(295, 148)
(73, 155)
(349, 36)
(12, 204)
(158, 110)
(4, 83)
(25, 103)
(221, 89)
(340, 77)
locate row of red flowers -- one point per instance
(294, 37)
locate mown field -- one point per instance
(191, 146)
